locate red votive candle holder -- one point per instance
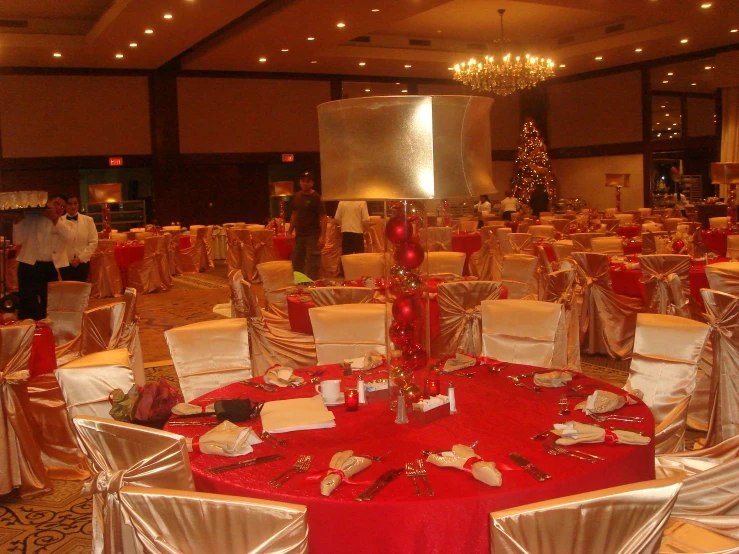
(351, 400)
(432, 387)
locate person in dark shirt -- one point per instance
(539, 200)
(308, 223)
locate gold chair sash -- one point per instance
(20, 443)
(129, 338)
(460, 317)
(560, 289)
(519, 276)
(619, 520)
(436, 239)
(331, 252)
(481, 263)
(123, 454)
(348, 331)
(666, 278)
(105, 275)
(238, 302)
(67, 300)
(544, 268)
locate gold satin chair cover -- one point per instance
(87, 382)
(560, 288)
(263, 242)
(664, 366)
(543, 231)
(650, 227)
(650, 239)
(724, 277)
(162, 259)
(722, 311)
(607, 320)
(21, 462)
(278, 279)
(207, 238)
(209, 355)
(105, 275)
(144, 274)
(67, 300)
(331, 296)
(519, 276)
(560, 226)
(732, 247)
(499, 241)
(581, 241)
(173, 256)
(524, 332)
(518, 243)
(172, 521)
(628, 519)
(129, 338)
(271, 341)
(358, 266)
(102, 329)
(437, 239)
(120, 455)
(544, 269)
(460, 316)
(563, 249)
(666, 278)
(233, 249)
(374, 237)
(718, 222)
(613, 246)
(331, 251)
(624, 219)
(190, 258)
(348, 331)
(481, 264)
(444, 264)
(671, 223)
(644, 212)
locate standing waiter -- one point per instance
(85, 242)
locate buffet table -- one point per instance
(492, 411)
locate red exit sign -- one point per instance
(286, 158)
(116, 161)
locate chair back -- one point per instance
(560, 225)
(563, 249)
(718, 222)
(263, 242)
(238, 300)
(481, 263)
(732, 247)
(375, 236)
(611, 246)
(581, 241)
(520, 243)
(666, 278)
(278, 278)
(445, 263)
(209, 355)
(331, 252)
(348, 331)
(67, 300)
(654, 242)
(358, 266)
(644, 212)
(724, 277)
(519, 276)
(624, 219)
(560, 288)
(130, 336)
(671, 223)
(330, 296)
(105, 275)
(610, 212)
(544, 231)
(467, 225)
(523, 332)
(437, 239)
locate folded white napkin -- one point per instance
(427, 404)
(482, 470)
(348, 464)
(602, 401)
(297, 414)
(552, 379)
(460, 361)
(573, 432)
(368, 361)
(226, 440)
(282, 377)
(190, 409)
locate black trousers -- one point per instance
(352, 243)
(32, 288)
(78, 273)
(507, 216)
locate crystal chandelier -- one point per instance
(503, 73)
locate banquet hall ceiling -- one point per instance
(233, 35)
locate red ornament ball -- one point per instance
(409, 254)
(415, 357)
(400, 333)
(398, 229)
(412, 393)
(406, 309)
(678, 245)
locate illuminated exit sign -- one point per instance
(286, 158)
(115, 162)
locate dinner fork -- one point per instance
(562, 450)
(551, 449)
(301, 466)
(601, 418)
(410, 472)
(518, 383)
(421, 471)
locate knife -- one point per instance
(534, 471)
(379, 484)
(245, 463)
(268, 388)
(529, 374)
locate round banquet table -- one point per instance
(490, 409)
(469, 243)
(125, 255)
(284, 246)
(715, 241)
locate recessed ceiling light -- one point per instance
(734, 31)
(149, 32)
(683, 41)
(665, 82)
(674, 124)
(693, 84)
(397, 83)
(375, 10)
(366, 90)
(670, 74)
(708, 67)
(362, 63)
(167, 16)
(314, 61)
(658, 123)
(57, 54)
(662, 106)
(404, 90)
(667, 115)
(262, 60)
(119, 55)
(598, 58)
(637, 50)
(562, 65)
(285, 49)
(341, 25)
(311, 38)
(706, 5)
(407, 65)
(450, 68)
(133, 45)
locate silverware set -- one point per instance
(439, 452)
(271, 439)
(416, 471)
(518, 383)
(268, 388)
(557, 450)
(301, 466)
(190, 423)
(380, 483)
(245, 463)
(601, 418)
(532, 470)
(373, 458)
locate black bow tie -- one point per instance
(72, 217)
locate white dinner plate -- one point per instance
(339, 401)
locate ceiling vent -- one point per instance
(614, 28)
(13, 23)
(363, 38)
(419, 42)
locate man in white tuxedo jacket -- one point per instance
(84, 244)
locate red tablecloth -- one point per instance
(185, 241)
(125, 256)
(502, 417)
(629, 231)
(715, 241)
(631, 248)
(469, 243)
(284, 246)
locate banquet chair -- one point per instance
(610, 212)
(644, 212)
(581, 241)
(331, 251)
(162, 258)
(123, 454)
(561, 225)
(21, 462)
(560, 288)
(499, 242)
(236, 307)
(209, 355)
(143, 275)
(165, 520)
(482, 263)
(650, 226)
(444, 264)
(129, 337)
(277, 279)
(330, 296)
(609, 225)
(460, 316)
(437, 239)
(688, 227)
(544, 269)
(524, 332)
(718, 222)
(102, 329)
(203, 234)
(173, 254)
(613, 246)
(191, 258)
(118, 237)
(628, 519)
(543, 231)
(263, 242)
(671, 223)
(607, 320)
(563, 249)
(723, 277)
(519, 276)
(359, 266)
(624, 219)
(732, 247)
(467, 225)
(518, 243)
(666, 278)
(375, 236)
(67, 300)
(348, 331)
(105, 275)
(654, 242)
(233, 249)
(523, 226)
(271, 341)
(664, 366)
(545, 214)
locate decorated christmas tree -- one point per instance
(531, 167)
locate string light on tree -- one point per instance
(531, 167)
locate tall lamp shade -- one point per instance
(618, 180)
(727, 173)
